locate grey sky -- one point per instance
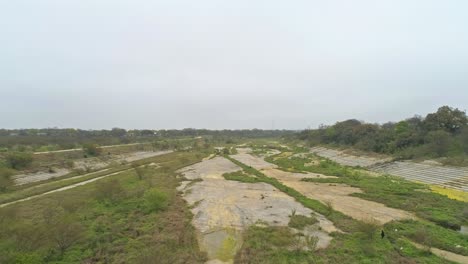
(228, 64)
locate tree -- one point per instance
(439, 142)
(464, 139)
(118, 132)
(446, 118)
(19, 160)
(65, 231)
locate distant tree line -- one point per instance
(439, 134)
(49, 139)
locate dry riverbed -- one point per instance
(223, 209)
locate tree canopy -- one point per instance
(442, 133)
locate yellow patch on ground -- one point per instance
(450, 193)
(283, 155)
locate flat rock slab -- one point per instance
(249, 160)
(21, 179)
(337, 195)
(357, 208)
(209, 169)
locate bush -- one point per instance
(5, 178)
(155, 200)
(19, 160)
(92, 149)
(110, 191)
(139, 171)
(369, 229)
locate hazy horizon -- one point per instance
(228, 65)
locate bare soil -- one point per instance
(336, 194)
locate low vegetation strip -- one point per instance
(396, 192)
(137, 217)
(8, 197)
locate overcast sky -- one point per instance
(228, 64)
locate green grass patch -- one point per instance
(322, 166)
(278, 245)
(132, 221)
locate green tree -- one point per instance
(446, 118)
(464, 139)
(439, 142)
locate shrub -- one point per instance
(5, 178)
(110, 191)
(139, 171)
(92, 149)
(369, 229)
(155, 200)
(19, 160)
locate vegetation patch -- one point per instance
(451, 193)
(278, 245)
(301, 221)
(440, 134)
(132, 221)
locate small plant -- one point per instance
(369, 228)
(301, 221)
(423, 237)
(293, 212)
(311, 242)
(328, 207)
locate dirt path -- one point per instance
(92, 163)
(337, 194)
(79, 149)
(223, 209)
(63, 188)
(444, 254)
